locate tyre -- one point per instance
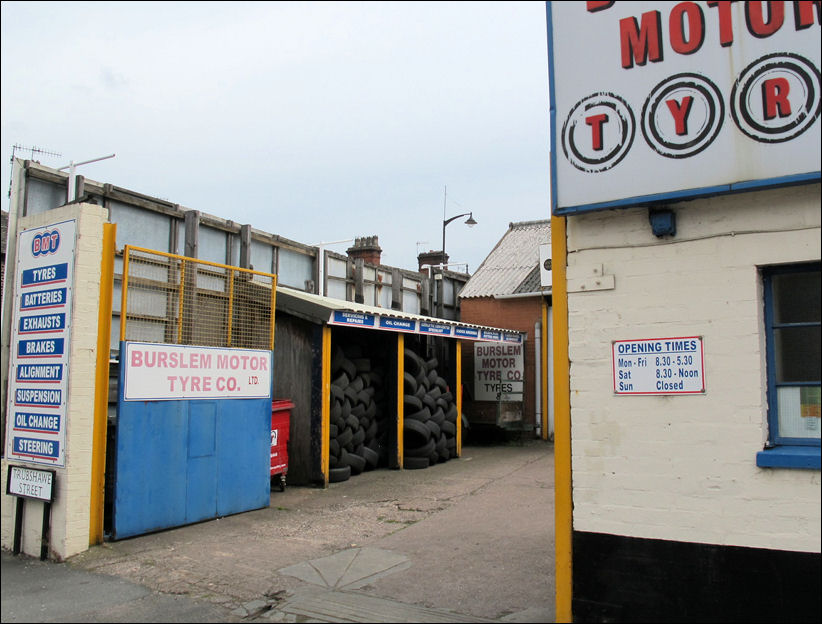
(359, 437)
(449, 428)
(371, 457)
(349, 368)
(336, 475)
(437, 416)
(429, 402)
(421, 451)
(423, 415)
(344, 438)
(412, 403)
(357, 383)
(415, 463)
(434, 428)
(415, 433)
(357, 463)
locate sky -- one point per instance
(316, 121)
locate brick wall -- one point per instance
(520, 314)
(683, 467)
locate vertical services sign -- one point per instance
(38, 373)
(663, 101)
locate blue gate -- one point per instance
(184, 461)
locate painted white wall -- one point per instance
(70, 511)
(684, 467)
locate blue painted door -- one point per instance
(179, 462)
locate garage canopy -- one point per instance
(319, 309)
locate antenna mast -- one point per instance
(33, 150)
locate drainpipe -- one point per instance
(538, 378)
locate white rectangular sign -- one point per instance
(165, 372)
(498, 371)
(658, 366)
(40, 345)
(671, 100)
(30, 483)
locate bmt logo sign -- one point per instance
(774, 99)
(45, 243)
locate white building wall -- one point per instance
(70, 511)
(684, 467)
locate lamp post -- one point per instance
(470, 222)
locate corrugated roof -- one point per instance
(511, 265)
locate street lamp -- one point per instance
(470, 222)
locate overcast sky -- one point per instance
(315, 121)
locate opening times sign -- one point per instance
(659, 366)
(38, 373)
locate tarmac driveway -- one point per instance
(470, 539)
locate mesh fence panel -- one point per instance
(178, 300)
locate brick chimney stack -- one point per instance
(368, 248)
(432, 257)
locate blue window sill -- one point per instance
(789, 457)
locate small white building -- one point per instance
(686, 291)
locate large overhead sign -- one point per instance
(654, 101)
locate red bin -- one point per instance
(280, 425)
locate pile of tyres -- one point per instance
(430, 423)
(359, 423)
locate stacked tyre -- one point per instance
(358, 427)
(430, 422)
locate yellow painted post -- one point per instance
(99, 431)
(274, 313)
(400, 394)
(325, 426)
(563, 494)
(230, 305)
(543, 349)
(180, 298)
(458, 391)
(124, 293)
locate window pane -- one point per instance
(799, 412)
(796, 297)
(797, 354)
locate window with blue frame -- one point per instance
(793, 339)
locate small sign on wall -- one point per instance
(30, 483)
(659, 366)
(498, 371)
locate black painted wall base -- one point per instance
(628, 579)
